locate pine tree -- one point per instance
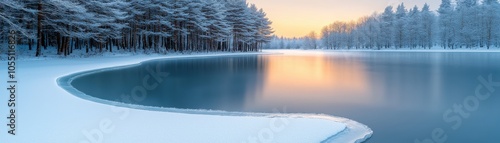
(238, 18)
(468, 23)
(413, 28)
(386, 27)
(491, 23)
(447, 24)
(265, 30)
(218, 28)
(427, 26)
(400, 26)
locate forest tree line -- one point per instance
(135, 25)
(457, 24)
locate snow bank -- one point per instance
(47, 113)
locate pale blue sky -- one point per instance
(296, 18)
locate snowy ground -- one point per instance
(47, 113)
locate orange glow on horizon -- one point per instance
(297, 18)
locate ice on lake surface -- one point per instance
(401, 96)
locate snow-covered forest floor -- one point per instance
(23, 53)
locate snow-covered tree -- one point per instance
(386, 27)
(264, 28)
(427, 26)
(238, 16)
(218, 28)
(413, 28)
(468, 23)
(400, 26)
(311, 41)
(491, 23)
(133, 25)
(447, 24)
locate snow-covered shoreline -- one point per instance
(48, 113)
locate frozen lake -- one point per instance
(401, 96)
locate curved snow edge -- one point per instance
(354, 132)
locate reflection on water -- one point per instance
(306, 80)
(401, 96)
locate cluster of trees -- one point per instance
(470, 23)
(286, 43)
(403, 28)
(154, 25)
(465, 24)
(459, 24)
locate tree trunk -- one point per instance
(39, 30)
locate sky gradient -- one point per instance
(296, 18)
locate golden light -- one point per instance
(296, 18)
(313, 78)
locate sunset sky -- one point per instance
(296, 18)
